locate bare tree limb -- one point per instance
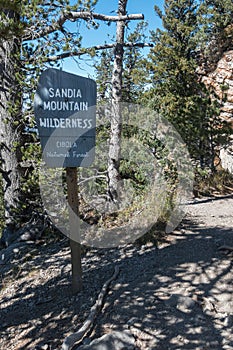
(89, 50)
(74, 338)
(92, 15)
(31, 34)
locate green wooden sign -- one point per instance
(65, 112)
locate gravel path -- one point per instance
(175, 296)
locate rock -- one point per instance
(113, 341)
(45, 347)
(181, 302)
(133, 320)
(226, 156)
(226, 307)
(228, 322)
(220, 80)
(209, 305)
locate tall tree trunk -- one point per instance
(116, 115)
(10, 125)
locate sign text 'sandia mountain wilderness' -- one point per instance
(65, 111)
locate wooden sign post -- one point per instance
(75, 246)
(65, 115)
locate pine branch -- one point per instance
(89, 51)
(30, 34)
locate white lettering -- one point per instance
(85, 123)
(56, 122)
(84, 106)
(79, 93)
(58, 155)
(43, 123)
(89, 123)
(53, 105)
(80, 124)
(74, 123)
(57, 93)
(65, 92)
(68, 123)
(66, 144)
(62, 123)
(76, 106)
(46, 105)
(80, 155)
(51, 92)
(70, 93)
(65, 106)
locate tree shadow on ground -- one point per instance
(149, 297)
(38, 308)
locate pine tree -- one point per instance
(103, 69)
(134, 77)
(31, 32)
(215, 34)
(134, 73)
(120, 81)
(33, 36)
(177, 92)
(115, 94)
(10, 113)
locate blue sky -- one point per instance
(104, 33)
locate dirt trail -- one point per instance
(176, 296)
(217, 211)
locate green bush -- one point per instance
(209, 183)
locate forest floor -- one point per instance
(178, 295)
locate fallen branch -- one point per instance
(70, 340)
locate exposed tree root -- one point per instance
(70, 340)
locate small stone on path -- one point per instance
(113, 341)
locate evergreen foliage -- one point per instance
(103, 69)
(134, 74)
(194, 31)
(177, 92)
(36, 30)
(215, 33)
(134, 77)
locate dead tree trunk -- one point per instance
(116, 115)
(10, 125)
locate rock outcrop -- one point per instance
(220, 81)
